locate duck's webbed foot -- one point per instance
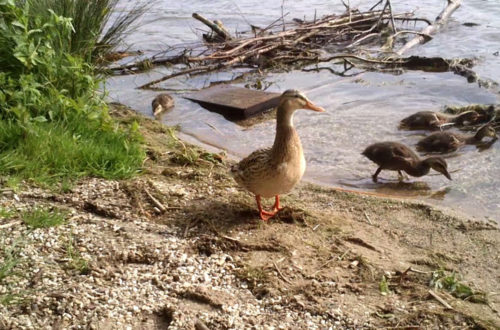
(265, 215)
(276, 206)
(375, 175)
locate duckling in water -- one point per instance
(162, 102)
(395, 156)
(434, 120)
(274, 171)
(450, 141)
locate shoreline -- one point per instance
(329, 259)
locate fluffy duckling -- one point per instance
(275, 171)
(434, 120)
(450, 141)
(395, 156)
(162, 102)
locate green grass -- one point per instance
(76, 261)
(43, 218)
(6, 213)
(99, 26)
(48, 153)
(54, 124)
(10, 258)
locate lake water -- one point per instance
(360, 109)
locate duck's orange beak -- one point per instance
(311, 106)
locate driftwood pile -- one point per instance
(355, 38)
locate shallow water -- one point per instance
(360, 110)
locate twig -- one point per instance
(367, 218)
(392, 16)
(344, 254)
(10, 224)
(283, 16)
(217, 28)
(281, 274)
(441, 300)
(155, 201)
(431, 29)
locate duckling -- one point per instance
(395, 156)
(162, 102)
(434, 120)
(449, 141)
(275, 171)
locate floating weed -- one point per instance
(43, 218)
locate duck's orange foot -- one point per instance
(265, 216)
(276, 206)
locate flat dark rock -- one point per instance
(234, 102)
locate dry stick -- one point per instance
(441, 300)
(216, 28)
(281, 274)
(392, 16)
(205, 68)
(10, 224)
(431, 29)
(156, 202)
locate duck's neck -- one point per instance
(287, 142)
(418, 168)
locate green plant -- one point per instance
(40, 81)
(6, 213)
(450, 282)
(98, 27)
(384, 286)
(76, 261)
(10, 259)
(43, 218)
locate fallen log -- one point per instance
(431, 29)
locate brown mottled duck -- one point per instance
(430, 120)
(395, 156)
(275, 171)
(162, 102)
(451, 141)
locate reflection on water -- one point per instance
(360, 110)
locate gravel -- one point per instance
(123, 271)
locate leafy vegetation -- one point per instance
(98, 28)
(10, 258)
(43, 218)
(54, 124)
(450, 282)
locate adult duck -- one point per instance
(275, 171)
(395, 156)
(162, 102)
(430, 120)
(451, 141)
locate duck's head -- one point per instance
(486, 131)
(438, 164)
(293, 99)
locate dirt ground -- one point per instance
(181, 246)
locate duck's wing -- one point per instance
(403, 153)
(252, 166)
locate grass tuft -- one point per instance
(43, 218)
(76, 261)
